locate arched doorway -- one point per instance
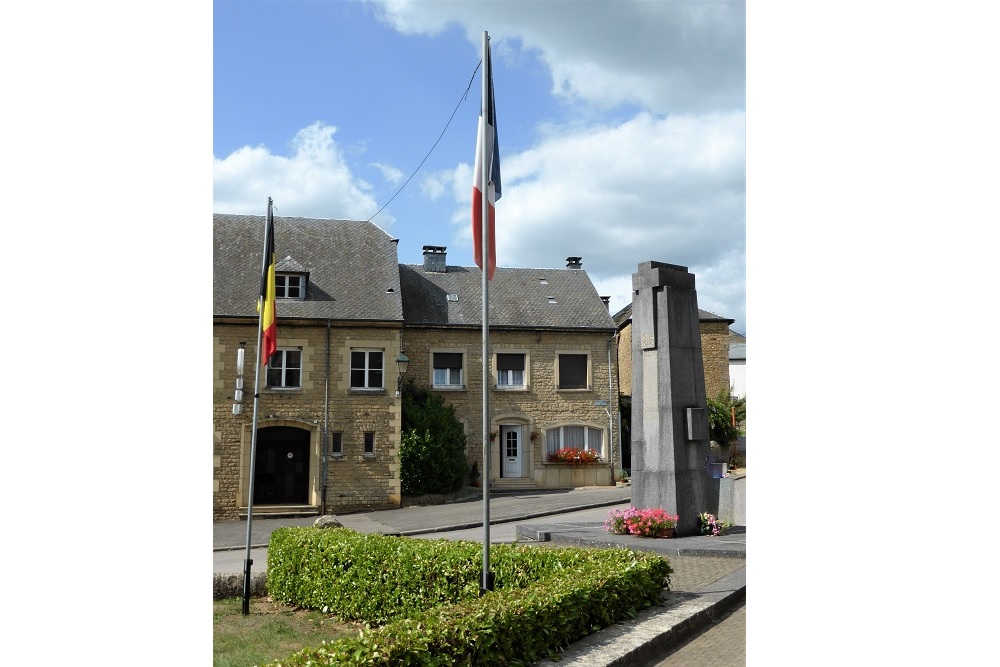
(281, 475)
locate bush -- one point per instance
(544, 600)
(432, 446)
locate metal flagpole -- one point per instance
(486, 159)
(247, 561)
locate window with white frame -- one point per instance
(447, 369)
(369, 443)
(510, 371)
(367, 369)
(290, 286)
(576, 437)
(572, 371)
(284, 369)
(337, 445)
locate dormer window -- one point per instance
(290, 286)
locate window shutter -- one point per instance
(510, 362)
(447, 360)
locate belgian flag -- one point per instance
(265, 303)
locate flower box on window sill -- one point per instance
(574, 456)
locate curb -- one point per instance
(656, 631)
(460, 526)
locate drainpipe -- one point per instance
(611, 416)
(326, 423)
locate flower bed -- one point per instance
(650, 522)
(572, 455)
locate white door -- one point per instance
(510, 444)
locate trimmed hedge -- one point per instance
(427, 593)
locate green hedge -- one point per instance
(427, 594)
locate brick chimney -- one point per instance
(573, 262)
(607, 302)
(435, 259)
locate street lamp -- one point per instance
(402, 361)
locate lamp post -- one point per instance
(402, 361)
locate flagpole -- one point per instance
(247, 561)
(486, 158)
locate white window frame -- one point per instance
(282, 286)
(445, 378)
(506, 380)
(555, 439)
(367, 369)
(278, 364)
(337, 444)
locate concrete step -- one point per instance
(281, 511)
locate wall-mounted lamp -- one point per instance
(402, 361)
(238, 393)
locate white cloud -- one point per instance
(668, 57)
(390, 174)
(315, 181)
(664, 189)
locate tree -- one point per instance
(721, 413)
(432, 447)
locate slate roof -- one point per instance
(352, 265)
(624, 316)
(518, 298)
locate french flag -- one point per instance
(491, 153)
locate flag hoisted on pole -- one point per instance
(266, 302)
(487, 170)
(267, 343)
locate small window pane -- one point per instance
(337, 444)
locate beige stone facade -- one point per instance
(714, 355)
(527, 414)
(354, 480)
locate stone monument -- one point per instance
(670, 435)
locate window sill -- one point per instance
(519, 387)
(283, 389)
(362, 390)
(448, 387)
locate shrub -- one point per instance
(544, 600)
(432, 445)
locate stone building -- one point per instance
(347, 312)
(329, 411)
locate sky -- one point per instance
(621, 128)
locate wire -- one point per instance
(465, 95)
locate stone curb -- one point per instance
(461, 526)
(655, 631)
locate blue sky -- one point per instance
(621, 128)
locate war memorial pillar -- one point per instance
(670, 435)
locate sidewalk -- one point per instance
(709, 572)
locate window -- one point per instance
(447, 369)
(366, 369)
(576, 436)
(510, 371)
(284, 369)
(572, 371)
(369, 443)
(337, 445)
(288, 286)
